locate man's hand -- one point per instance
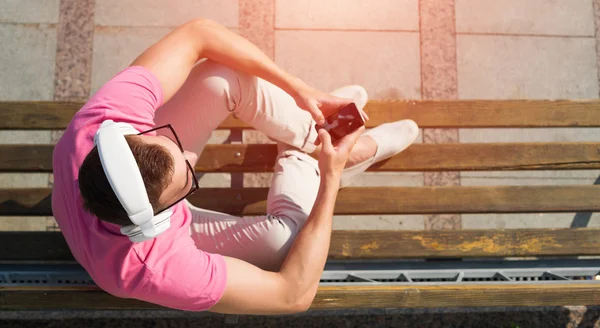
(333, 158)
(318, 103)
(294, 287)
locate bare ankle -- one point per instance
(365, 148)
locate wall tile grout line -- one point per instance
(302, 29)
(31, 25)
(425, 220)
(74, 50)
(596, 12)
(439, 81)
(100, 27)
(420, 48)
(73, 67)
(274, 18)
(526, 35)
(257, 24)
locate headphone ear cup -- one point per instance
(134, 233)
(162, 221)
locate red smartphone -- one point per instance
(343, 122)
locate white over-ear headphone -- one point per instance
(126, 181)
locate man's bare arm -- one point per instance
(250, 290)
(172, 58)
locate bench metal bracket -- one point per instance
(420, 272)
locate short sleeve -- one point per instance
(132, 96)
(187, 279)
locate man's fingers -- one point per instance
(331, 104)
(364, 115)
(319, 118)
(344, 101)
(316, 114)
(325, 139)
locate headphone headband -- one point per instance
(126, 181)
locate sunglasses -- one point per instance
(168, 131)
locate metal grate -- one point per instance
(460, 272)
(365, 273)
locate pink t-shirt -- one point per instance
(168, 270)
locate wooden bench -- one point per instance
(367, 269)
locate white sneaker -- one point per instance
(391, 138)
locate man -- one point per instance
(125, 165)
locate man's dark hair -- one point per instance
(156, 166)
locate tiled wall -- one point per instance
(28, 30)
(531, 49)
(411, 49)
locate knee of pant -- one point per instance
(287, 207)
(285, 233)
(302, 163)
(219, 80)
(218, 86)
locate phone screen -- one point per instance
(344, 122)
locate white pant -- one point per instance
(211, 93)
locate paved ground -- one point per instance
(409, 49)
(501, 318)
(427, 49)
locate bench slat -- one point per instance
(29, 115)
(26, 158)
(421, 200)
(383, 244)
(455, 296)
(372, 244)
(26, 202)
(418, 157)
(366, 200)
(428, 157)
(329, 297)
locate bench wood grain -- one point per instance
(373, 244)
(329, 297)
(418, 157)
(29, 115)
(366, 200)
